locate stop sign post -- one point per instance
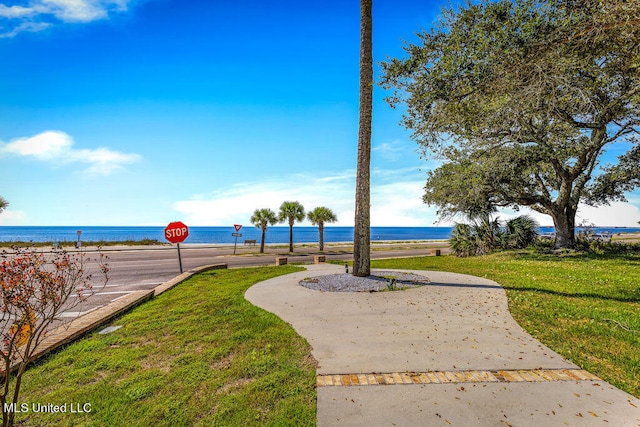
(176, 232)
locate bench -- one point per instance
(249, 242)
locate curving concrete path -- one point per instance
(445, 354)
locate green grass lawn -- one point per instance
(197, 355)
(200, 354)
(585, 307)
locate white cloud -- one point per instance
(15, 11)
(41, 14)
(238, 203)
(617, 214)
(396, 200)
(44, 146)
(75, 10)
(57, 148)
(81, 10)
(9, 217)
(391, 204)
(29, 27)
(391, 151)
(400, 204)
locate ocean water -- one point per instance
(219, 235)
(215, 234)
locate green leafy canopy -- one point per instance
(520, 99)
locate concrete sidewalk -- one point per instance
(445, 354)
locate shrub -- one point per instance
(519, 232)
(487, 235)
(462, 242)
(36, 287)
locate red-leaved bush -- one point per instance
(36, 287)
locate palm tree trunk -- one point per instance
(362, 227)
(321, 235)
(262, 241)
(290, 235)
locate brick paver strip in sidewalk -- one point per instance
(455, 377)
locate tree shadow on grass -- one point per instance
(634, 296)
(632, 259)
(466, 285)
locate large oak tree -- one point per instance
(521, 98)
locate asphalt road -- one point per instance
(144, 268)
(137, 268)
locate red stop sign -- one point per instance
(176, 232)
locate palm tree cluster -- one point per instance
(292, 212)
(485, 235)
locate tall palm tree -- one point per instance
(318, 217)
(263, 218)
(362, 226)
(3, 204)
(291, 212)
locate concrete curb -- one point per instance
(84, 324)
(184, 276)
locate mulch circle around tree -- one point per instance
(379, 281)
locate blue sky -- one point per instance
(124, 112)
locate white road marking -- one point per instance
(113, 293)
(102, 293)
(78, 313)
(122, 296)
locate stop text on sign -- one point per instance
(176, 232)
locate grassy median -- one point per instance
(197, 355)
(585, 307)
